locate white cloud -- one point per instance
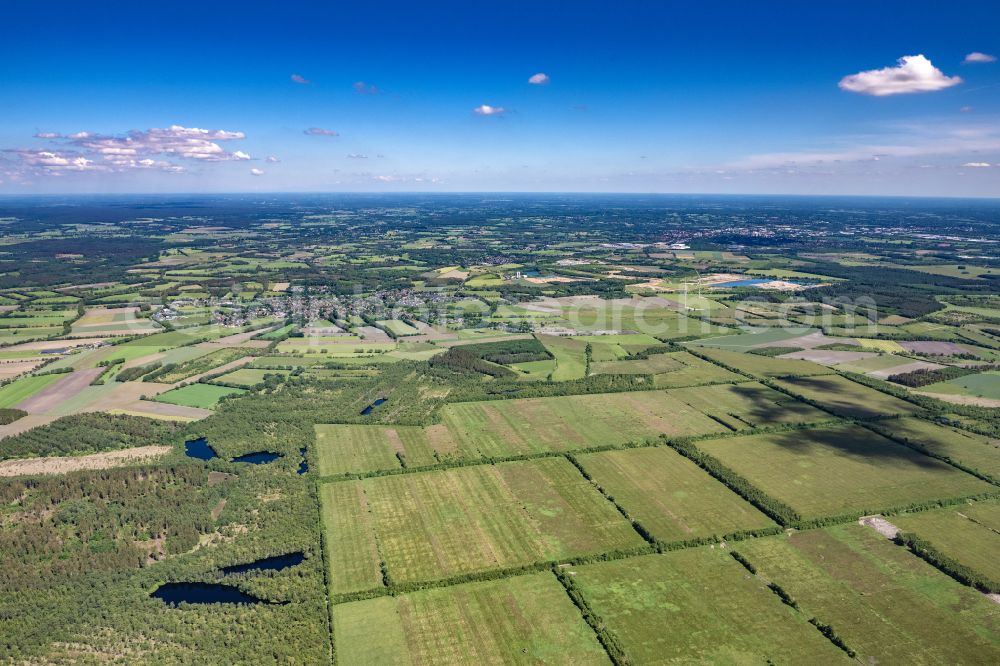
(357, 156)
(47, 135)
(977, 165)
(913, 74)
(240, 155)
(301, 80)
(487, 110)
(976, 57)
(272, 159)
(319, 131)
(539, 79)
(256, 172)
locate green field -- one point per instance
(887, 605)
(438, 524)
(963, 533)
(983, 385)
(698, 606)
(846, 398)
(398, 327)
(247, 377)
(24, 388)
(741, 406)
(972, 451)
(843, 469)
(745, 341)
(669, 495)
(570, 357)
(526, 619)
(205, 396)
(766, 366)
(201, 365)
(352, 554)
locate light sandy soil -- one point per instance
(25, 423)
(45, 345)
(370, 334)
(811, 341)
(933, 347)
(62, 389)
(10, 369)
(827, 356)
(880, 525)
(961, 399)
(903, 369)
(62, 465)
(163, 410)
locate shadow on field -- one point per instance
(853, 441)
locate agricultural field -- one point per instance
(669, 495)
(698, 604)
(963, 533)
(526, 619)
(887, 605)
(204, 396)
(972, 451)
(434, 525)
(846, 398)
(765, 366)
(840, 470)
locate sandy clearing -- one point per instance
(125, 393)
(372, 334)
(10, 369)
(828, 357)
(25, 423)
(880, 525)
(62, 465)
(66, 387)
(961, 399)
(809, 341)
(903, 369)
(163, 410)
(48, 345)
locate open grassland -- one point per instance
(526, 619)
(205, 396)
(352, 553)
(886, 604)
(846, 398)
(971, 451)
(842, 469)
(740, 406)
(983, 385)
(570, 356)
(500, 428)
(247, 377)
(670, 496)
(201, 365)
(669, 370)
(698, 606)
(438, 524)
(766, 366)
(745, 341)
(959, 534)
(24, 388)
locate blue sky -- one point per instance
(646, 96)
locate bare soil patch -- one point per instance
(65, 464)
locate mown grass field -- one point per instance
(205, 396)
(247, 377)
(741, 406)
(669, 495)
(846, 398)
(766, 366)
(352, 448)
(841, 469)
(886, 604)
(526, 619)
(351, 551)
(972, 451)
(202, 364)
(699, 606)
(962, 533)
(438, 524)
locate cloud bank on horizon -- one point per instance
(601, 98)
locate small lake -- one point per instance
(276, 563)
(199, 448)
(368, 410)
(204, 593)
(304, 465)
(257, 458)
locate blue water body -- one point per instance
(304, 465)
(257, 458)
(368, 410)
(203, 593)
(276, 563)
(199, 448)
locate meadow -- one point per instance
(841, 469)
(846, 398)
(205, 396)
(963, 533)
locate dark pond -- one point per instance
(199, 448)
(303, 466)
(257, 458)
(368, 410)
(276, 563)
(204, 593)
